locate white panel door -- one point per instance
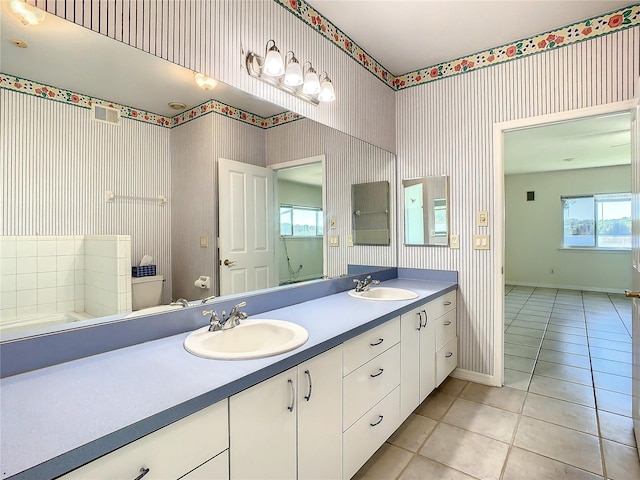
(635, 255)
(246, 229)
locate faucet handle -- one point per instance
(205, 300)
(208, 312)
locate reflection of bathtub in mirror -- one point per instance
(55, 280)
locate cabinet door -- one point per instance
(262, 424)
(427, 357)
(319, 416)
(410, 362)
(215, 469)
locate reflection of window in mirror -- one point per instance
(440, 217)
(413, 214)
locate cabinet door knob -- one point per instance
(293, 396)
(378, 422)
(380, 340)
(447, 323)
(374, 375)
(449, 354)
(307, 397)
(446, 304)
(143, 472)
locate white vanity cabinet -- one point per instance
(290, 426)
(179, 450)
(428, 339)
(371, 393)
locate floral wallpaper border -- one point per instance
(594, 27)
(29, 87)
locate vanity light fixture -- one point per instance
(205, 82)
(302, 82)
(27, 14)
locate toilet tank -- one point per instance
(146, 291)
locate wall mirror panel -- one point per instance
(86, 200)
(370, 204)
(426, 210)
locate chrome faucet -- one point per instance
(363, 285)
(180, 301)
(226, 322)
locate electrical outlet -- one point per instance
(481, 242)
(454, 240)
(483, 218)
(204, 241)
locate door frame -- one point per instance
(499, 129)
(276, 207)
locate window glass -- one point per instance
(578, 222)
(297, 221)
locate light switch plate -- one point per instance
(349, 240)
(204, 241)
(333, 222)
(483, 218)
(481, 242)
(454, 240)
(334, 240)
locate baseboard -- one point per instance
(565, 287)
(476, 377)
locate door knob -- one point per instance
(630, 294)
(228, 262)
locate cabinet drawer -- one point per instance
(445, 328)
(446, 360)
(169, 452)
(370, 432)
(366, 346)
(441, 305)
(367, 385)
(215, 469)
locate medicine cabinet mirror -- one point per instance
(426, 210)
(370, 202)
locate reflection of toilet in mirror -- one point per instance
(146, 291)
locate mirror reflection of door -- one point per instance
(414, 215)
(300, 230)
(246, 247)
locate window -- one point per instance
(296, 221)
(597, 221)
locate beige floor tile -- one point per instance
(530, 325)
(566, 337)
(436, 405)
(564, 358)
(613, 402)
(484, 419)
(566, 329)
(562, 413)
(522, 340)
(527, 332)
(520, 364)
(617, 428)
(520, 350)
(413, 432)
(523, 465)
(564, 372)
(615, 383)
(621, 461)
(469, 452)
(506, 398)
(516, 379)
(452, 386)
(565, 347)
(421, 468)
(563, 444)
(569, 391)
(387, 463)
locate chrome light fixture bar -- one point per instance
(287, 75)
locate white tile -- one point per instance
(8, 266)
(26, 281)
(8, 283)
(8, 247)
(8, 315)
(65, 278)
(78, 244)
(621, 461)
(47, 308)
(79, 292)
(78, 262)
(65, 262)
(7, 300)
(27, 298)
(65, 294)
(78, 305)
(47, 279)
(64, 307)
(26, 248)
(484, 419)
(79, 277)
(29, 311)
(559, 412)
(124, 266)
(65, 246)
(46, 295)
(27, 265)
(47, 264)
(47, 248)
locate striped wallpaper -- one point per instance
(446, 127)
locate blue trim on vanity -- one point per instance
(428, 275)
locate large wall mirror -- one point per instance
(85, 200)
(426, 210)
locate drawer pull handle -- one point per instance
(378, 422)
(307, 397)
(380, 370)
(293, 396)
(426, 318)
(449, 354)
(447, 323)
(143, 472)
(380, 340)
(419, 321)
(446, 304)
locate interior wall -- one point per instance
(534, 232)
(347, 161)
(195, 149)
(209, 36)
(58, 163)
(446, 127)
(301, 251)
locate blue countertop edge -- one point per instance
(79, 456)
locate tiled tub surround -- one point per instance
(563, 414)
(57, 418)
(45, 277)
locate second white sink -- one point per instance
(251, 339)
(385, 293)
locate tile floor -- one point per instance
(564, 412)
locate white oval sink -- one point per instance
(385, 293)
(251, 339)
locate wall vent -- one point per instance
(103, 114)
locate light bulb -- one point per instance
(293, 75)
(327, 93)
(205, 82)
(311, 82)
(273, 64)
(28, 14)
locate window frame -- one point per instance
(319, 226)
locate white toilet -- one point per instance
(146, 291)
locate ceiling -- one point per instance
(407, 35)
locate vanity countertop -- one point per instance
(57, 418)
